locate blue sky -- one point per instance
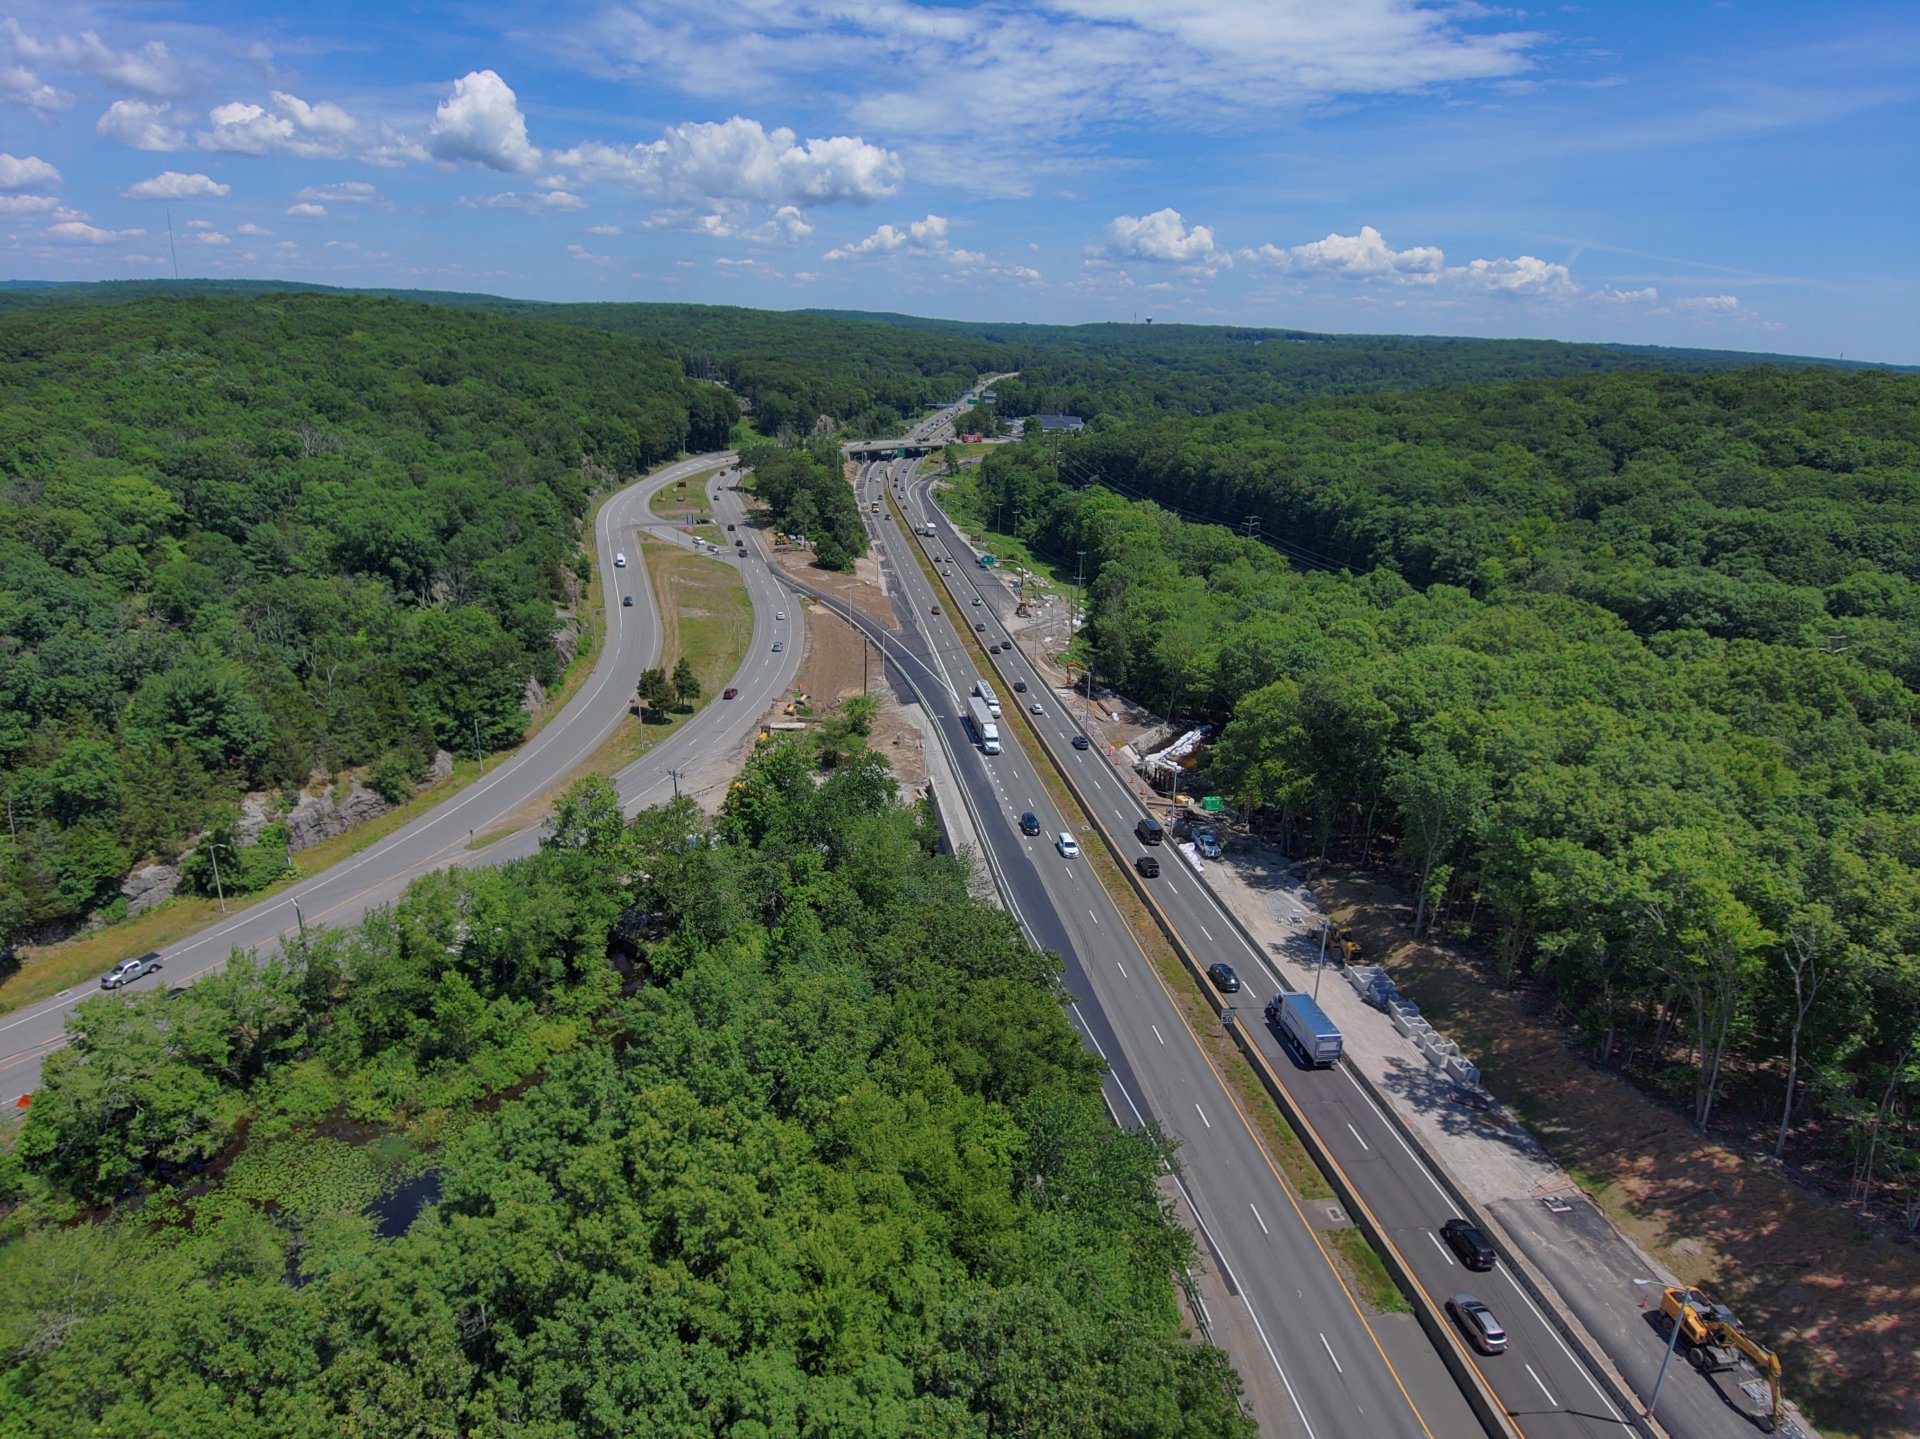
(1725, 174)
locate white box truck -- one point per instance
(985, 692)
(929, 527)
(1305, 1028)
(619, 560)
(980, 718)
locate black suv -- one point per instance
(1148, 866)
(1149, 830)
(1469, 1243)
(1029, 823)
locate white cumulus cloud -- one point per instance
(34, 205)
(1163, 237)
(172, 185)
(1367, 258)
(547, 202)
(287, 126)
(1717, 306)
(143, 124)
(924, 237)
(152, 69)
(212, 237)
(1361, 256)
(739, 159)
(306, 211)
(480, 123)
(78, 232)
(347, 192)
(604, 230)
(20, 173)
(586, 256)
(250, 229)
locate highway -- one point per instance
(1330, 1370)
(1546, 1387)
(440, 837)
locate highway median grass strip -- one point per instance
(706, 615)
(1367, 1271)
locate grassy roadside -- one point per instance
(706, 615)
(48, 970)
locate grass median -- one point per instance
(705, 615)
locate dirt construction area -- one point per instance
(1838, 1300)
(838, 661)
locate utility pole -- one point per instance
(1250, 524)
(300, 918)
(1320, 964)
(676, 781)
(476, 738)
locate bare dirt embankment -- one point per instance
(1838, 1300)
(835, 667)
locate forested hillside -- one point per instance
(1626, 692)
(242, 538)
(830, 1161)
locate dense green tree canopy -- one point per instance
(1625, 684)
(241, 538)
(795, 1178)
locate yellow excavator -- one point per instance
(1714, 1342)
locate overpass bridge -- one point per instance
(887, 449)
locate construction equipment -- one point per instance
(1714, 1343)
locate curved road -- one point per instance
(377, 875)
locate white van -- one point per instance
(619, 561)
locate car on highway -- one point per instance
(1469, 1244)
(1476, 1321)
(779, 645)
(936, 609)
(1034, 708)
(1080, 741)
(128, 970)
(1224, 979)
(729, 526)
(1029, 823)
(732, 692)
(980, 624)
(1066, 844)
(626, 602)
(779, 614)
(1147, 865)
(1019, 687)
(976, 599)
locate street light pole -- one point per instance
(1673, 1339)
(213, 853)
(1320, 964)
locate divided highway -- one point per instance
(440, 837)
(1330, 1370)
(1546, 1388)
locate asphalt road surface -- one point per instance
(1314, 1363)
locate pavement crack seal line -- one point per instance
(1479, 1392)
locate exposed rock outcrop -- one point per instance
(533, 698)
(441, 768)
(149, 885)
(317, 817)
